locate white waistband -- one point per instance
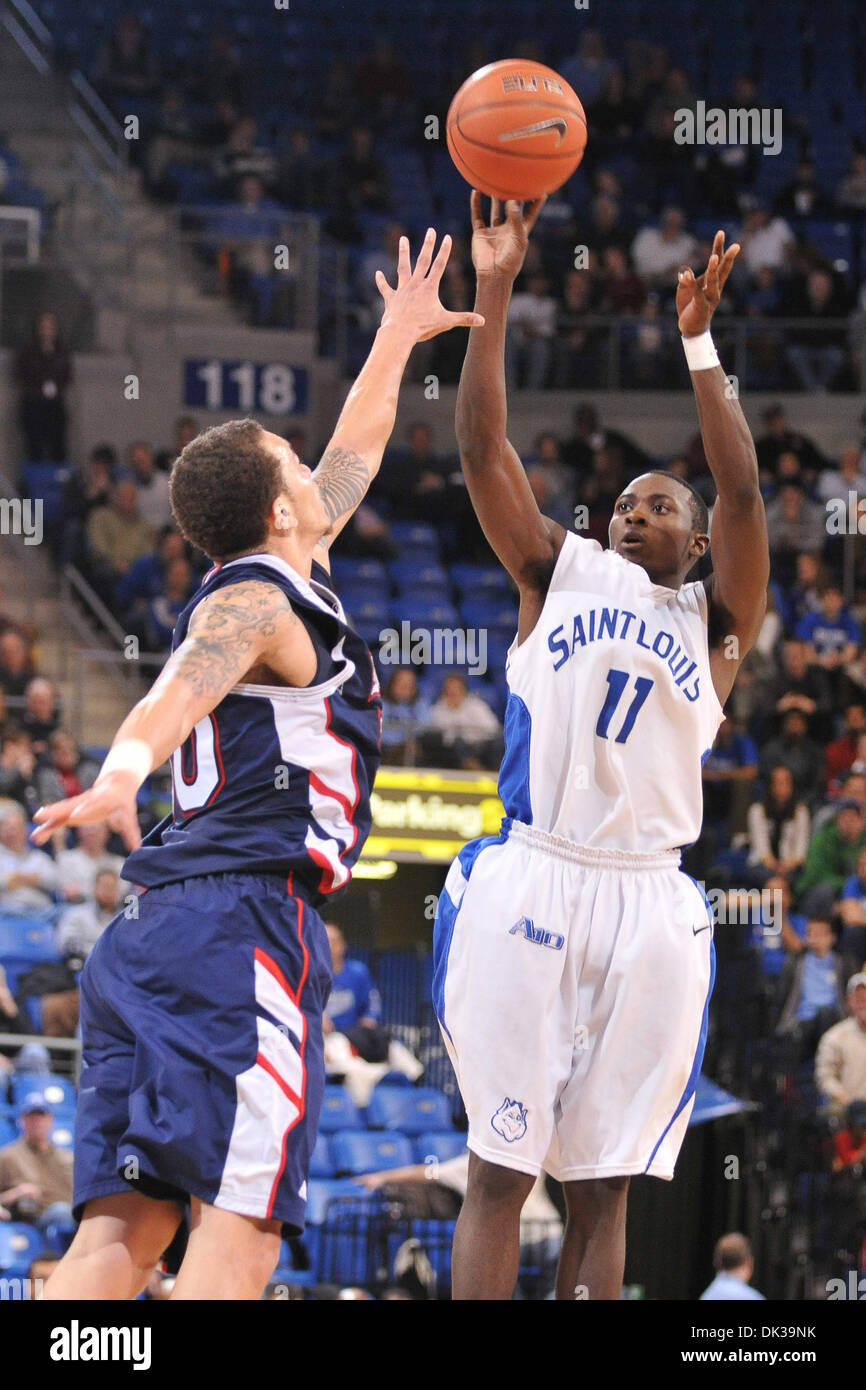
(587, 854)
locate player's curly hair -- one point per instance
(222, 486)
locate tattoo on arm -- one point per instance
(342, 478)
(225, 636)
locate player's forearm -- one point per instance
(482, 410)
(367, 418)
(727, 440)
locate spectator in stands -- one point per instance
(734, 1265)
(816, 350)
(383, 257)
(66, 772)
(335, 110)
(840, 1062)
(852, 910)
(532, 326)
(843, 751)
(36, 1175)
(803, 196)
(413, 475)
(590, 436)
(850, 476)
(405, 712)
(765, 240)
(804, 596)
(778, 828)
(152, 485)
(779, 438)
(220, 72)
(614, 117)
(779, 933)
(623, 292)
(81, 925)
(18, 777)
(241, 157)
(174, 137)
(164, 610)
(659, 252)
(605, 229)
(834, 850)
(797, 749)
(16, 665)
(126, 65)
(145, 580)
(851, 192)
(84, 490)
(360, 177)
(117, 536)
(356, 1046)
(299, 181)
(77, 868)
(799, 686)
(811, 992)
(186, 427)
(794, 524)
(384, 87)
(353, 998)
(43, 371)
(832, 636)
(849, 1144)
(590, 69)
(578, 357)
(551, 502)
(41, 716)
(464, 731)
(27, 875)
(728, 776)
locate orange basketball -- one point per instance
(515, 129)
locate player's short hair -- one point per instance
(222, 487)
(732, 1251)
(700, 511)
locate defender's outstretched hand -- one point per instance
(500, 248)
(698, 297)
(415, 302)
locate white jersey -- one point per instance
(611, 707)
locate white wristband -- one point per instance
(700, 352)
(130, 755)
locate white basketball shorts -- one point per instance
(572, 987)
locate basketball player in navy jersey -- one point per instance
(202, 1016)
(573, 960)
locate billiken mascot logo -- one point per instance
(510, 1120)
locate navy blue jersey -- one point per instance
(276, 779)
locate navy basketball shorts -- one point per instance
(202, 1064)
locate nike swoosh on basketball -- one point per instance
(558, 123)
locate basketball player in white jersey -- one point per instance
(573, 958)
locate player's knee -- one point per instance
(489, 1182)
(596, 1195)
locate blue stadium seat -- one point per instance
(410, 1109)
(439, 1144)
(414, 535)
(321, 1191)
(321, 1165)
(57, 1090)
(338, 1111)
(8, 1131)
(47, 481)
(470, 579)
(19, 1246)
(362, 1151)
(424, 612)
(489, 612)
(27, 938)
(410, 573)
(347, 570)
